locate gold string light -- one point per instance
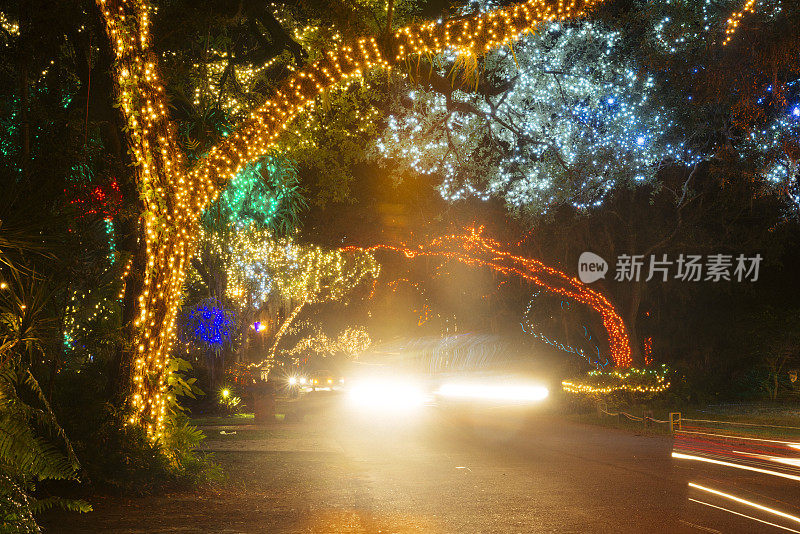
(352, 342)
(169, 207)
(298, 272)
(174, 196)
(617, 381)
(736, 18)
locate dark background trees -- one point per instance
(707, 163)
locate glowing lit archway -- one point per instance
(174, 196)
(475, 249)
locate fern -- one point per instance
(33, 446)
(70, 505)
(16, 514)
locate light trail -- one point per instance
(745, 502)
(794, 462)
(792, 444)
(745, 515)
(682, 456)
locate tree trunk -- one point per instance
(632, 303)
(282, 330)
(168, 210)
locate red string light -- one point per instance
(104, 200)
(473, 248)
(648, 350)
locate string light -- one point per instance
(616, 381)
(736, 18)
(93, 200)
(473, 248)
(170, 205)
(593, 359)
(352, 342)
(257, 263)
(573, 120)
(210, 325)
(301, 274)
(175, 197)
(426, 313)
(255, 196)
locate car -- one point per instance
(325, 380)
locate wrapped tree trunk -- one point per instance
(166, 194)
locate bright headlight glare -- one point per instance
(494, 392)
(387, 395)
(292, 380)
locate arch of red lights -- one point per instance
(473, 248)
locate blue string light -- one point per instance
(210, 325)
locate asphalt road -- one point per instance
(450, 472)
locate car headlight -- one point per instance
(493, 392)
(386, 395)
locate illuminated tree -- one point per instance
(561, 117)
(175, 195)
(209, 327)
(265, 194)
(472, 248)
(739, 101)
(301, 275)
(351, 342)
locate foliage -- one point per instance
(621, 387)
(191, 467)
(735, 96)
(208, 325)
(229, 401)
(562, 116)
(260, 272)
(263, 195)
(33, 446)
(773, 337)
(335, 136)
(180, 385)
(27, 457)
(119, 457)
(351, 342)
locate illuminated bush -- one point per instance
(620, 386)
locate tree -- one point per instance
(774, 338)
(301, 275)
(174, 195)
(565, 115)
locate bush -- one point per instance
(620, 387)
(119, 457)
(27, 457)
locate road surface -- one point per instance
(439, 472)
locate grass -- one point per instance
(623, 423)
(225, 420)
(734, 419)
(767, 414)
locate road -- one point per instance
(444, 472)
